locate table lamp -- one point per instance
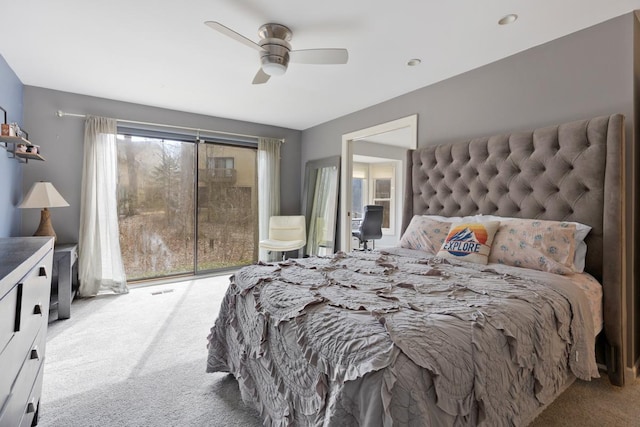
(43, 195)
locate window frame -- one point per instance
(159, 133)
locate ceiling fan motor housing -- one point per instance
(275, 42)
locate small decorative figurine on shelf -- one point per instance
(15, 129)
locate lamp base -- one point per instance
(45, 228)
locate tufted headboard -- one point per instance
(569, 172)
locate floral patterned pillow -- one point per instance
(424, 234)
(469, 241)
(535, 244)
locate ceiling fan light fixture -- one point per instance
(508, 19)
(274, 68)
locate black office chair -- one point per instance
(370, 227)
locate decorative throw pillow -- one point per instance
(469, 241)
(535, 244)
(580, 234)
(424, 234)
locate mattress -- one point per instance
(397, 338)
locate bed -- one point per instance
(403, 337)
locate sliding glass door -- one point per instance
(227, 207)
(183, 207)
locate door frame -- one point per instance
(346, 170)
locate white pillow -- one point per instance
(581, 233)
(425, 234)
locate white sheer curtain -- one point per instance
(268, 189)
(100, 264)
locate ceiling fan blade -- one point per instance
(230, 33)
(261, 77)
(319, 56)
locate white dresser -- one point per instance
(25, 285)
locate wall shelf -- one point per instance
(30, 156)
(11, 144)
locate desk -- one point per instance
(64, 258)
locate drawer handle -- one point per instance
(16, 327)
(38, 309)
(43, 272)
(31, 407)
(34, 353)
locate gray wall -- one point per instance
(61, 141)
(10, 170)
(580, 76)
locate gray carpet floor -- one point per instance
(139, 360)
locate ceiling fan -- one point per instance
(275, 50)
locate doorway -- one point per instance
(389, 141)
(378, 181)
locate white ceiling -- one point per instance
(160, 53)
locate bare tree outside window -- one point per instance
(157, 207)
(227, 213)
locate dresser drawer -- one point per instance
(25, 384)
(11, 362)
(8, 310)
(25, 307)
(36, 287)
(33, 403)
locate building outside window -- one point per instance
(185, 208)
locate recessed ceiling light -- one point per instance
(508, 19)
(413, 62)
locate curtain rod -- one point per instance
(61, 113)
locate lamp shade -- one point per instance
(43, 195)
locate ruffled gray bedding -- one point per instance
(394, 338)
